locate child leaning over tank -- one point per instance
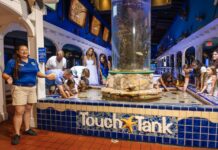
(166, 80)
(61, 77)
(210, 83)
(84, 80)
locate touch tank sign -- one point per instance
(126, 123)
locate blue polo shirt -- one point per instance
(27, 72)
(59, 80)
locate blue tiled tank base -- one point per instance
(193, 132)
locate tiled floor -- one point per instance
(47, 140)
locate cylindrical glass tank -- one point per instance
(131, 30)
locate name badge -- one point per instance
(33, 63)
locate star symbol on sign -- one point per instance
(128, 123)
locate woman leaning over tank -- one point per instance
(21, 72)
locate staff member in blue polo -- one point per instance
(22, 72)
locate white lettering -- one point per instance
(116, 121)
(108, 123)
(90, 121)
(158, 125)
(84, 114)
(139, 118)
(146, 126)
(99, 124)
(166, 127)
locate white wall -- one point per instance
(18, 19)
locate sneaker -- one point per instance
(30, 132)
(15, 140)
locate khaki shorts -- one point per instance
(23, 95)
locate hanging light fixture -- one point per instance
(102, 5)
(105, 5)
(157, 3)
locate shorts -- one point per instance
(22, 95)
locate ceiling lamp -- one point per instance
(156, 3)
(105, 5)
(102, 5)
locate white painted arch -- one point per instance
(13, 18)
(194, 40)
(53, 42)
(62, 37)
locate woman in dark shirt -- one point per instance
(22, 73)
(103, 68)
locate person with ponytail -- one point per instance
(21, 72)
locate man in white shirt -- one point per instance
(77, 73)
(57, 62)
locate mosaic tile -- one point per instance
(192, 131)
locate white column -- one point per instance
(198, 52)
(183, 58)
(34, 43)
(39, 41)
(3, 111)
(175, 65)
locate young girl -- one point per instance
(196, 65)
(103, 68)
(210, 82)
(187, 71)
(203, 76)
(84, 82)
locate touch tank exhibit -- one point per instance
(131, 78)
(128, 107)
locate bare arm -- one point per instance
(101, 75)
(95, 63)
(7, 78)
(163, 84)
(41, 75)
(66, 87)
(213, 85)
(49, 76)
(204, 88)
(185, 70)
(61, 89)
(84, 61)
(109, 65)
